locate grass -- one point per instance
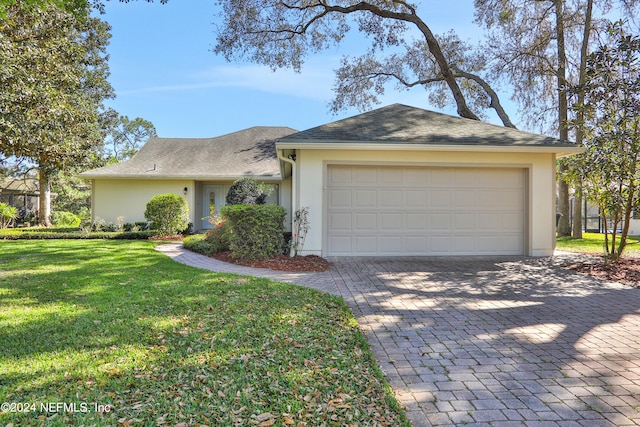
(118, 327)
(594, 243)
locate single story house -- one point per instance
(22, 193)
(396, 181)
(199, 169)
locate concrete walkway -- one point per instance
(488, 341)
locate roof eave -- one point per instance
(560, 150)
(183, 177)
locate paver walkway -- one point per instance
(488, 341)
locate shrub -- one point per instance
(197, 243)
(8, 213)
(300, 230)
(245, 191)
(219, 236)
(168, 213)
(257, 231)
(65, 219)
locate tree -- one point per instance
(610, 123)
(538, 48)
(280, 34)
(126, 137)
(245, 191)
(359, 80)
(53, 75)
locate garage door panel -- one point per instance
(366, 244)
(365, 222)
(416, 221)
(464, 199)
(340, 177)
(510, 199)
(416, 245)
(366, 176)
(391, 177)
(440, 222)
(391, 221)
(340, 222)
(440, 199)
(415, 198)
(487, 199)
(464, 221)
(390, 245)
(340, 199)
(340, 245)
(378, 210)
(416, 177)
(365, 198)
(442, 177)
(391, 198)
(510, 222)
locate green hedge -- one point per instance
(257, 231)
(197, 243)
(45, 235)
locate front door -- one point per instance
(213, 200)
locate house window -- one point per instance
(212, 202)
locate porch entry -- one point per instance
(213, 199)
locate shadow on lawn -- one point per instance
(90, 296)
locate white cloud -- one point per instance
(314, 82)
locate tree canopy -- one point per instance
(125, 137)
(281, 34)
(53, 75)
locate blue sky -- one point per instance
(163, 70)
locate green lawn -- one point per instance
(153, 342)
(594, 243)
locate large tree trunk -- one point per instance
(564, 227)
(577, 212)
(584, 50)
(44, 215)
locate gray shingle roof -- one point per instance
(402, 124)
(250, 152)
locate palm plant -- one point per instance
(8, 213)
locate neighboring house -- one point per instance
(396, 181)
(23, 193)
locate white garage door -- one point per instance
(382, 210)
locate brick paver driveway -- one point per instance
(490, 341)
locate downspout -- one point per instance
(293, 189)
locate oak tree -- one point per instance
(281, 33)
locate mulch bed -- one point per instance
(626, 271)
(307, 263)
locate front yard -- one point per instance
(113, 333)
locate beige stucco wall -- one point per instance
(311, 173)
(113, 198)
(285, 201)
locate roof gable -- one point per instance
(250, 152)
(401, 124)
